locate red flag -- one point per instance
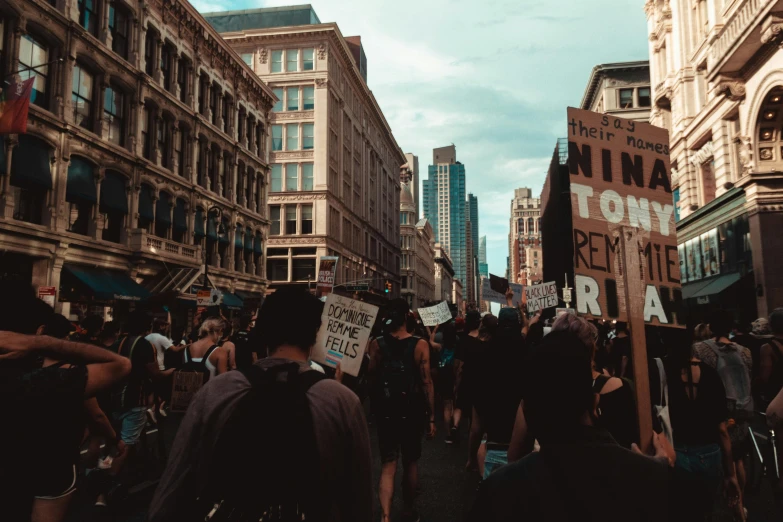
(14, 104)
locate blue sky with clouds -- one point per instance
(493, 77)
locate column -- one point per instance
(207, 162)
(249, 133)
(134, 222)
(7, 200)
(155, 197)
(125, 230)
(102, 124)
(207, 99)
(158, 54)
(259, 194)
(140, 45)
(97, 217)
(219, 174)
(251, 180)
(190, 216)
(228, 263)
(194, 87)
(104, 34)
(192, 174)
(135, 41)
(134, 129)
(219, 110)
(174, 57)
(175, 135)
(234, 195)
(235, 123)
(230, 115)
(157, 154)
(169, 231)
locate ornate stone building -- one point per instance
(142, 121)
(417, 268)
(524, 232)
(717, 75)
(444, 275)
(335, 186)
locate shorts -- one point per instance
(399, 436)
(494, 460)
(56, 483)
(130, 424)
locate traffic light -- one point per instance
(388, 287)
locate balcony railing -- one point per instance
(736, 29)
(142, 241)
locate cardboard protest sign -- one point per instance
(327, 269)
(184, 387)
(540, 297)
(435, 315)
(345, 330)
(491, 296)
(620, 177)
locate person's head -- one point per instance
(228, 329)
(459, 324)
(553, 412)
(701, 332)
(212, 329)
(289, 317)
(58, 326)
(776, 321)
(109, 334)
(21, 311)
(161, 326)
(397, 311)
(489, 324)
(472, 321)
(139, 322)
(244, 323)
(621, 327)
(721, 323)
(583, 329)
(92, 324)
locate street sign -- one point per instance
(211, 297)
(357, 288)
(47, 294)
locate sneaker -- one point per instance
(455, 435)
(449, 439)
(151, 416)
(411, 517)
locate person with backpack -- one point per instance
(206, 354)
(734, 364)
(248, 448)
(400, 373)
(245, 352)
(445, 346)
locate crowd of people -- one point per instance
(271, 435)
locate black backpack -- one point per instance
(398, 396)
(188, 379)
(266, 464)
(243, 351)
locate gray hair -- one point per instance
(586, 331)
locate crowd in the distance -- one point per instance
(271, 435)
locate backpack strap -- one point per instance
(209, 352)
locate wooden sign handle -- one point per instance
(634, 307)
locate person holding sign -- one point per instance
(400, 373)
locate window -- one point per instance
(307, 219)
(278, 106)
(626, 98)
(248, 59)
(114, 114)
(292, 60)
(277, 269)
(274, 216)
(308, 136)
(292, 137)
(644, 97)
(213, 106)
(119, 27)
(149, 52)
(182, 78)
(88, 16)
(307, 176)
(290, 219)
(163, 138)
(303, 269)
(81, 95)
(403, 218)
(308, 94)
(165, 66)
(146, 128)
(277, 137)
(293, 99)
(308, 63)
(277, 178)
(33, 56)
(291, 177)
(277, 61)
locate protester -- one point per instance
(581, 473)
(246, 354)
(445, 346)
(701, 332)
(254, 447)
(400, 373)
(697, 409)
(620, 352)
(466, 361)
(37, 471)
(89, 330)
(206, 351)
(159, 339)
(734, 364)
(771, 377)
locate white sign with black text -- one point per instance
(491, 296)
(345, 329)
(435, 315)
(540, 297)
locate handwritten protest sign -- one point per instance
(184, 387)
(435, 315)
(345, 330)
(491, 296)
(327, 268)
(540, 297)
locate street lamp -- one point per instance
(220, 230)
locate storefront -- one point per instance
(109, 293)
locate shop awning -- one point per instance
(232, 301)
(712, 286)
(178, 280)
(30, 167)
(104, 285)
(80, 187)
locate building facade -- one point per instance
(457, 297)
(417, 270)
(524, 231)
(444, 275)
(717, 76)
(410, 174)
(483, 266)
(145, 154)
(335, 164)
(533, 270)
(619, 89)
(445, 205)
(471, 296)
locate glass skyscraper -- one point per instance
(483, 266)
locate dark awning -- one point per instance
(232, 302)
(257, 245)
(145, 203)
(248, 240)
(113, 196)
(716, 285)
(198, 226)
(163, 210)
(691, 289)
(30, 164)
(180, 217)
(104, 285)
(239, 238)
(80, 187)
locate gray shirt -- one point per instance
(341, 433)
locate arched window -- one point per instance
(146, 210)
(227, 162)
(163, 216)
(239, 248)
(181, 222)
(80, 194)
(33, 57)
(769, 132)
(224, 243)
(114, 206)
(31, 177)
(258, 250)
(248, 247)
(530, 226)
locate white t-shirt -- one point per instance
(161, 344)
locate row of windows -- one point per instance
(294, 59)
(299, 262)
(294, 99)
(292, 132)
(634, 98)
(298, 177)
(296, 219)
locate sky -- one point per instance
(492, 77)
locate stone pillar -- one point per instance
(190, 215)
(97, 218)
(192, 174)
(158, 54)
(134, 222)
(235, 119)
(104, 33)
(208, 100)
(194, 87)
(231, 121)
(19, 29)
(207, 162)
(155, 197)
(157, 154)
(102, 125)
(259, 194)
(134, 128)
(233, 195)
(126, 222)
(249, 133)
(219, 108)
(135, 41)
(174, 68)
(174, 161)
(170, 230)
(219, 174)
(141, 44)
(57, 262)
